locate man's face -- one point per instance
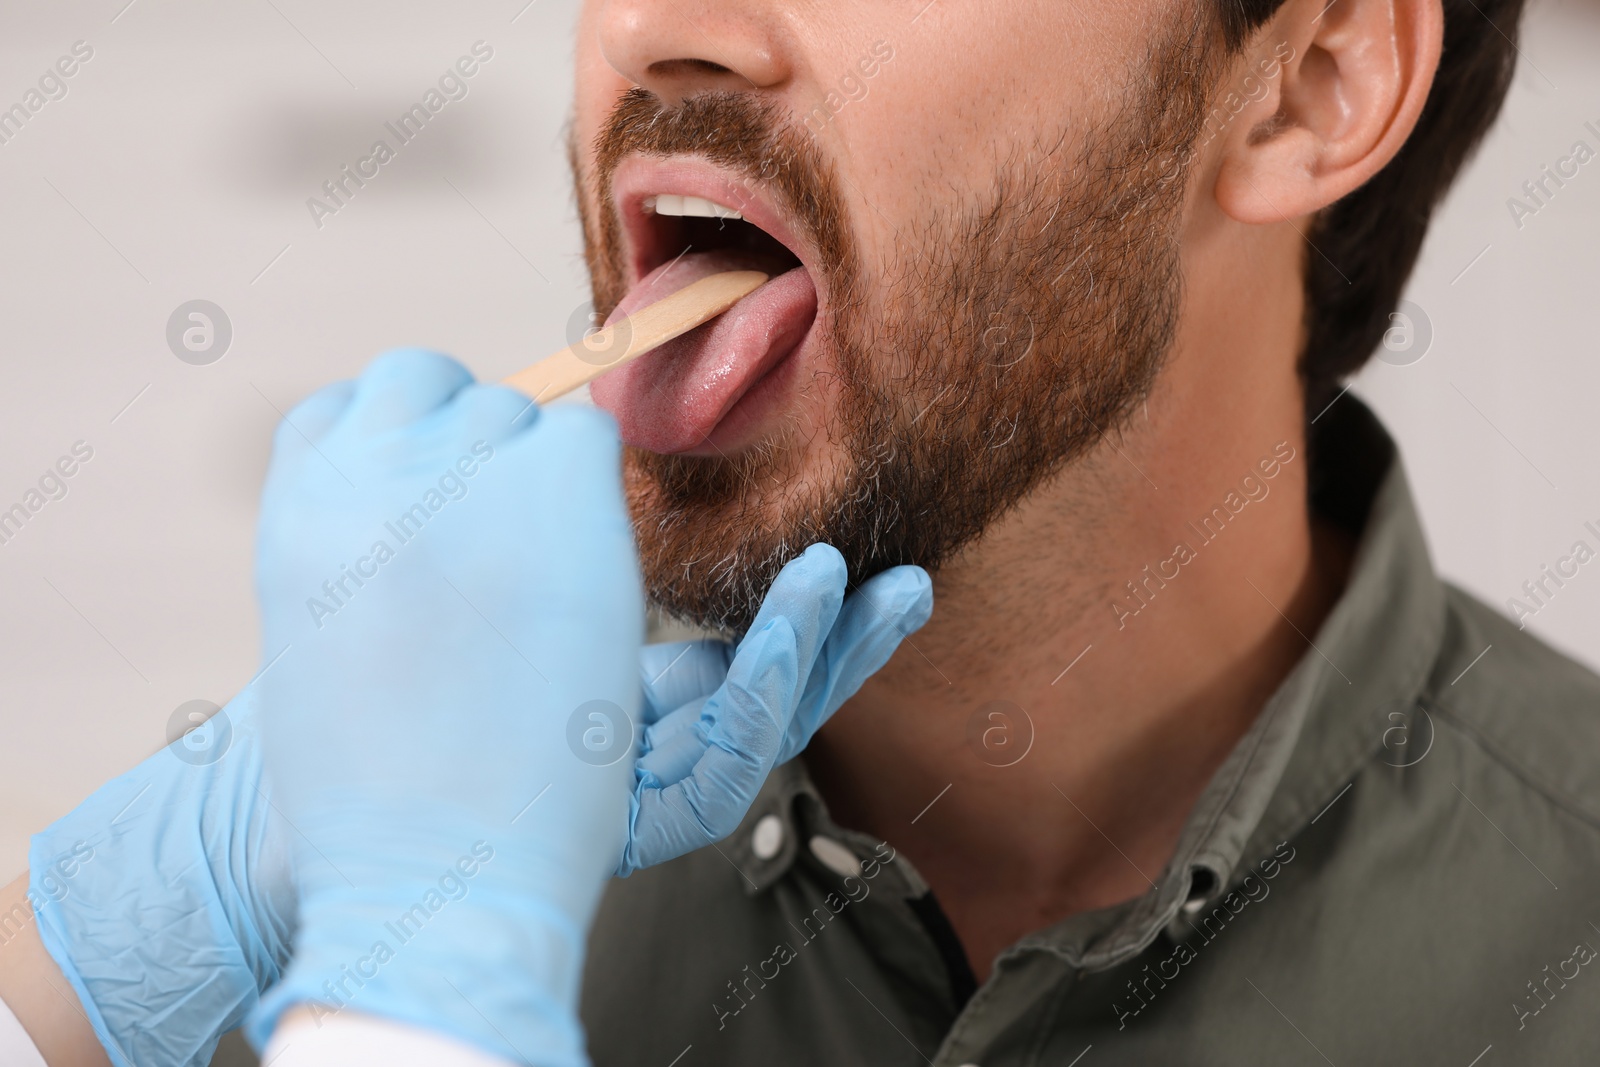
(971, 219)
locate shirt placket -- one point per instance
(1009, 1019)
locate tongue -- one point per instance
(672, 399)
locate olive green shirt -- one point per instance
(1397, 864)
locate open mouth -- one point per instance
(677, 225)
(707, 391)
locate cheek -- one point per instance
(596, 84)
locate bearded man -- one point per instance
(1198, 760)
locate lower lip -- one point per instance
(714, 390)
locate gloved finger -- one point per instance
(875, 619)
(310, 420)
(746, 716)
(568, 464)
(672, 746)
(805, 598)
(804, 591)
(746, 729)
(584, 434)
(577, 454)
(402, 386)
(678, 672)
(808, 592)
(568, 470)
(691, 671)
(493, 412)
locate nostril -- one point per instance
(669, 68)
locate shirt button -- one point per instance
(767, 838)
(1202, 883)
(835, 856)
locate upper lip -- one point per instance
(641, 177)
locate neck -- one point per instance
(1095, 657)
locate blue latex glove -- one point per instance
(166, 897)
(450, 730)
(720, 716)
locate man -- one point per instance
(1197, 760)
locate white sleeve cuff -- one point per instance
(353, 1040)
(16, 1047)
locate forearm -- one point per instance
(36, 991)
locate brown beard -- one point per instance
(1002, 342)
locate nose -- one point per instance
(677, 47)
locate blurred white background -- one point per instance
(178, 165)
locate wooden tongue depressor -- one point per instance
(631, 337)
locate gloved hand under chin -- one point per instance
(720, 716)
(183, 914)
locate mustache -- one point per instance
(754, 139)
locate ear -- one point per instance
(1351, 77)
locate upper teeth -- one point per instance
(698, 206)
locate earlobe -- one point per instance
(1343, 103)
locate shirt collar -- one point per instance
(1371, 656)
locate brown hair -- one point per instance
(1370, 239)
